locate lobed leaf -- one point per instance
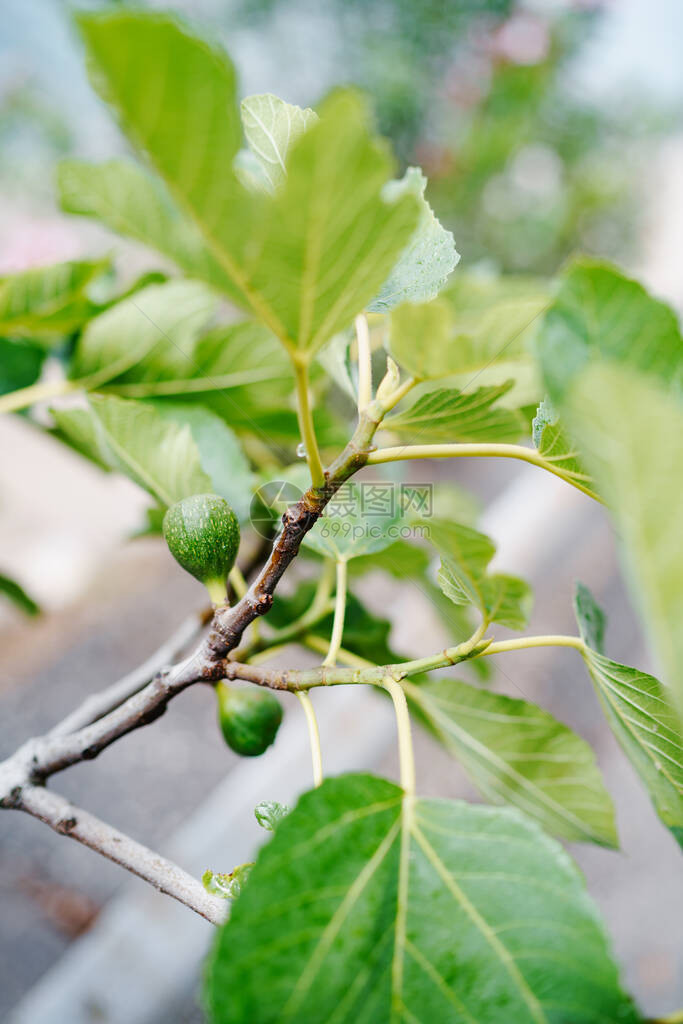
(515, 752)
(332, 239)
(368, 906)
(134, 202)
(641, 715)
(304, 260)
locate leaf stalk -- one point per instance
(481, 451)
(314, 737)
(306, 427)
(339, 614)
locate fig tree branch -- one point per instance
(298, 680)
(85, 828)
(321, 605)
(23, 776)
(133, 702)
(42, 757)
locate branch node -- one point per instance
(66, 825)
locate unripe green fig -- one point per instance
(203, 536)
(249, 719)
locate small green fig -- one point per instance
(249, 719)
(203, 536)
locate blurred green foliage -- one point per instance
(476, 92)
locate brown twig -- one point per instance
(85, 828)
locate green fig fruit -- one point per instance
(249, 719)
(203, 536)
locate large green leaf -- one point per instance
(47, 301)
(271, 127)
(553, 443)
(429, 257)
(369, 907)
(445, 415)
(631, 432)
(156, 453)
(168, 316)
(642, 717)
(463, 576)
(306, 259)
(331, 239)
(518, 753)
(600, 314)
(133, 202)
(175, 95)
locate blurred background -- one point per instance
(545, 127)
